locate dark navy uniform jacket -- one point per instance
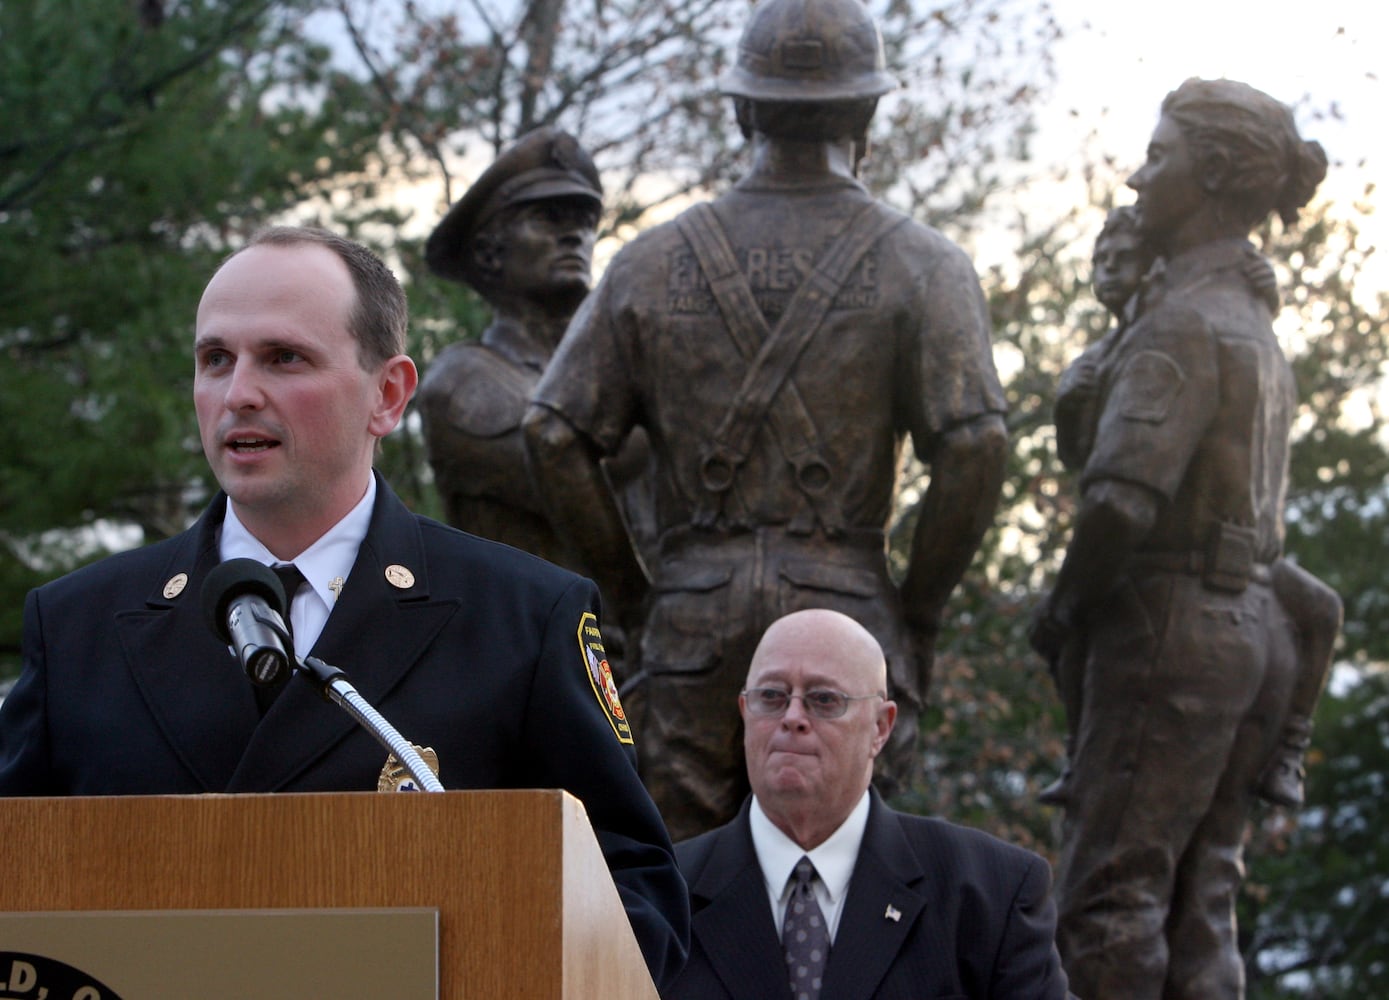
(484, 657)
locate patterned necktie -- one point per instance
(804, 935)
(292, 580)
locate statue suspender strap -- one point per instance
(766, 392)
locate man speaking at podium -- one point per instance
(488, 656)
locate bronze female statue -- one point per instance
(1194, 641)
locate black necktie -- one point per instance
(292, 580)
(804, 935)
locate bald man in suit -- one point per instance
(890, 905)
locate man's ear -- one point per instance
(886, 719)
(396, 382)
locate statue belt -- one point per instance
(860, 546)
(1193, 563)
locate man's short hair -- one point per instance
(380, 315)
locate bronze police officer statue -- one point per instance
(778, 344)
(1196, 644)
(522, 237)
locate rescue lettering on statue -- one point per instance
(772, 273)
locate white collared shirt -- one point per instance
(323, 563)
(834, 860)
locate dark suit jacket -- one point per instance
(127, 691)
(975, 919)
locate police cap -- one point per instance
(543, 164)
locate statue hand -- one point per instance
(1079, 383)
(1087, 376)
(921, 641)
(1046, 633)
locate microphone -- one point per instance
(244, 603)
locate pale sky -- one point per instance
(1324, 58)
(1328, 59)
(1118, 61)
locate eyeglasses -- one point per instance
(823, 703)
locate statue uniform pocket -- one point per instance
(819, 584)
(689, 615)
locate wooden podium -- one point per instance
(526, 906)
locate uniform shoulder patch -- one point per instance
(1148, 386)
(600, 676)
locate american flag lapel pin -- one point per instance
(892, 913)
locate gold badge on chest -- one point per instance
(396, 778)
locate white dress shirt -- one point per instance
(325, 565)
(834, 860)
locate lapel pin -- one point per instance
(175, 586)
(336, 588)
(892, 913)
(399, 577)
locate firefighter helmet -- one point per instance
(809, 50)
